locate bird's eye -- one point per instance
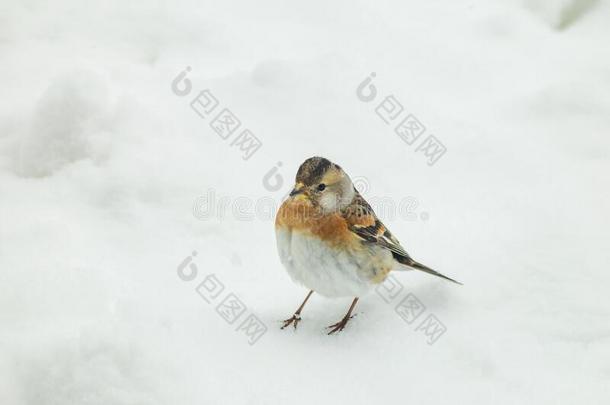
(321, 187)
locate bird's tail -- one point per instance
(418, 266)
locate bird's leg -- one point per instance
(337, 327)
(297, 314)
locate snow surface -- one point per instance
(104, 173)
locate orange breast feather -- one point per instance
(302, 216)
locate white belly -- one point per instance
(329, 272)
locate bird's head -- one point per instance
(324, 184)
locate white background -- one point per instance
(101, 163)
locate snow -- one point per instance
(104, 170)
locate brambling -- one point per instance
(330, 240)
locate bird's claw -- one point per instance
(296, 318)
(339, 326)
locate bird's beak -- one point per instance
(298, 190)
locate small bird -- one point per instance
(330, 240)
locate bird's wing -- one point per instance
(363, 222)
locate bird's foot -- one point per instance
(296, 318)
(338, 327)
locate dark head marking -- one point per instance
(312, 170)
